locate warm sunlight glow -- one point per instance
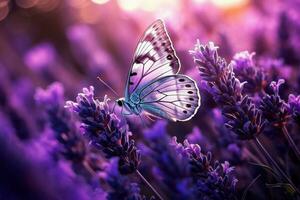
(100, 1)
(129, 5)
(200, 1)
(147, 5)
(226, 4)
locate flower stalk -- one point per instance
(148, 184)
(291, 142)
(274, 163)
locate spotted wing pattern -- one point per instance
(154, 58)
(174, 97)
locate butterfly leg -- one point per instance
(124, 114)
(123, 111)
(143, 122)
(150, 117)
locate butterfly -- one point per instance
(153, 83)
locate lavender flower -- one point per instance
(294, 107)
(169, 170)
(192, 175)
(120, 186)
(72, 146)
(288, 37)
(273, 107)
(275, 110)
(274, 68)
(211, 180)
(60, 120)
(246, 70)
(243, 118)
(104, 130)
(41, 56)
(227, 145)
(23, 176)
(44, 141)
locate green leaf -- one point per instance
(249, 186)
(286, 186)
(267, 168)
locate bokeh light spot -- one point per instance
(4, 9)
(227, 4)
(89, 15)
(100, 1)
(160, 9)
(47, 5)
(40, 56)
(26, 3)
(78, 3)
(129, 5)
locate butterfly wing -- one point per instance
(175, 97)
(154, 58)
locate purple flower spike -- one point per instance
(104, 130)
(294, 107)
(247, 71)
(120, 186)
(273, 107)
(226, 89)
(226, 167)
(71, 144)
(294, 104)
(51, 97)
(40, 56)
(243, 118)
(212, 179)
(202, 52)
(243, 59)
(276, 85)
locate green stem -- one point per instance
(249, 186)
(148, 184)
(260, 155)
(252, 156)
(269, 157)
(291, 142)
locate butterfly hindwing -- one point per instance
(154, 58)
(174, 97)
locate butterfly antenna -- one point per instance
(111, 89)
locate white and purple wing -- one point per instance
(174, 97)
(154, 58)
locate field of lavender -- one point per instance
(62, 138)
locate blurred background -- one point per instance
(74, 41)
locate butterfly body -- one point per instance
(130, 107)
(154, 85)
(135, 99)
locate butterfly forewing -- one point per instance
(174, 97)
(154, 58)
